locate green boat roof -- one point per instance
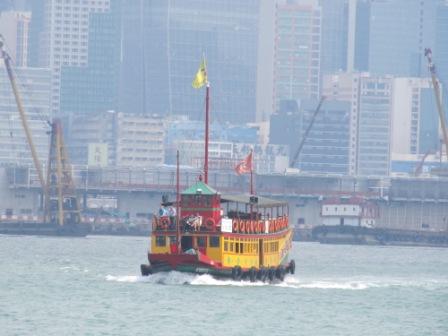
(200, 188)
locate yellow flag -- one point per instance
(201, 76)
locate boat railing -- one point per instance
(241, 226)
(163, 223)
(260, 226)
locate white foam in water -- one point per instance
(178, 278)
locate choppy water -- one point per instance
(91, 286)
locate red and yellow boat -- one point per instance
(234, 236)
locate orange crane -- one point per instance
(436, 85)
(37, 165)
(61, 205)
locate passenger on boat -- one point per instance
(172, 214)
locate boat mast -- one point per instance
(207, 104)
(177, 203)
(252, 172)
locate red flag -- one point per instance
(244, 166)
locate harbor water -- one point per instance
(91, 286)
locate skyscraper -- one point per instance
(64, 37)
(400, 30)
(334, 35)
(93, 87)
(163, 44)
(14, 27)
(374, 125)
(297, 52)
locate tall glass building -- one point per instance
(334, 35)
(163, 44)
(400, 30)
(297, 52)
(94, 87)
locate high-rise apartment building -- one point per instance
(14, 27)
(297, 52)
(374, 125)
(346, 87)
(163, 44)
(400, 30)
(370, 119)
(64, 37)
(34, 88)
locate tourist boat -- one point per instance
(234, 236)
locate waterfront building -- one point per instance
(14, 27)
(297, 52)
(415, 121)
(400, 30)
(86, 130)
(139, 140)
(158, 79)
(118, 139)
(35, 90)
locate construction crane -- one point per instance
(307, 131)
(435, 83)
(418, 170)
(61, 205)
(7, 60)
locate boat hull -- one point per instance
(200, 264)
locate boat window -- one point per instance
(214, 241)
(231, 246)
(237, 245)
(160, 241)
(241, 247)
(226, 246)
(173, 240)
(201, 241)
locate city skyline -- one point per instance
(102, 57)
